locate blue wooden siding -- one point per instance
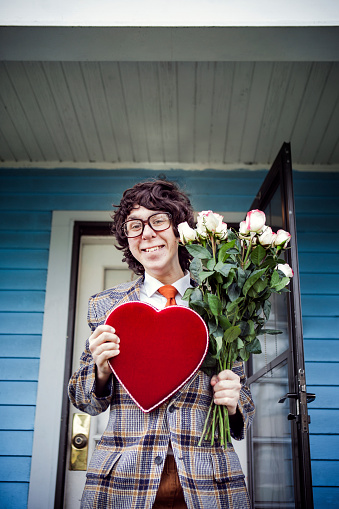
(26, 205)
(23, 271)
(317, 208)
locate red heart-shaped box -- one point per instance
(159, 350)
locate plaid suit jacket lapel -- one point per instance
(121, 294)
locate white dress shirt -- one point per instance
(149, 291)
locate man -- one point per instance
(152, 460)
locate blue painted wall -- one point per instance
(317, 210)
(26, 205)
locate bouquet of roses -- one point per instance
(236, 273)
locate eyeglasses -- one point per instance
(158, 222)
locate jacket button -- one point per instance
(172, 409)
(158, 460)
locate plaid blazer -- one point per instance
(126, 466)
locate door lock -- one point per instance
(309, 397)
(302, 398)
(79, 441)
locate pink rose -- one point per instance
(282, 238)
(286, 269)
(255, 220)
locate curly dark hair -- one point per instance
(160, 195)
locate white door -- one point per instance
(100, 267)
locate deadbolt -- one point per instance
(80, 441)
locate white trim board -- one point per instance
(52, 359)
(157, 167)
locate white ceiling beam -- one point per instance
(170, 43)
(187, 13)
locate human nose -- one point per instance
(148, 231)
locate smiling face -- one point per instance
(156, 251)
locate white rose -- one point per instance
(286, 269)
(255, 220)
(186, 233)
(210, 222)
(201, 220)
(242, 229)
(253, 238)
(282, 238)
(221, 231)
(267, 236)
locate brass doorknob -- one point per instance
(80, 441)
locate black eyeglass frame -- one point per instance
(144, 222)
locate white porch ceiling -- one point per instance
(197, 112)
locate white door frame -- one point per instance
(52, 358)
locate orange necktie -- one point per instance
(169, 292)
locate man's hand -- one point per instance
(104, 345)
(226, 388)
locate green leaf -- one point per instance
(195, 269)
(269, 262)
(223, 255)
(252, 279)
(233, 292)
(258, 254)
(218, 266)
(260, 285)
(212, 325)
(214, 304)
(275, 278)
(254, 347)
(188, 294)
(199, 306)
(232, 306)
(241, 277)
(230, 278)
(205, 274)
(198, 251)
(267, 309)
(231, 235)
(251, 308)
(224, 322)
(232, 333)
(196, 294)
(240, 343)
(218, 278)
(224, 268)
(282, 284)
(218, 340)
(252, 293)
(244, 327)
(244, 354)
(250, 324)
(210, 265)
